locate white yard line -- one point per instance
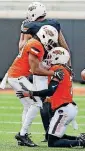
(18, 102)
(7, 132)
(19, 115)
(10, 122)
(16, 107)
(14, 97)
(7, 97)
(10, 115)
(34, 123)
(13, 115)
(10, 107)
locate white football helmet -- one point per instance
(58, 55)
(48, 36)
(36, 10)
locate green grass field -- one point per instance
(10, 118)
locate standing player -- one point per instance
(63, 107)
(36, 19)
(30, 56)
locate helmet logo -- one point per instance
(48, 32)
(58, 52)
(31, 8)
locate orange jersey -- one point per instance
(63, 93)
(20, 66)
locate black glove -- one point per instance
(22, 94)
(59, 74)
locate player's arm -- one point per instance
(52, 85)
(36, 68)
(43, 93)
(62, 41)
(46, 92)
(24, 36)
(23, 39)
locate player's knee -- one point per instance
(51, 140)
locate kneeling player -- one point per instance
(64, 109)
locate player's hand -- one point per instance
(48, 99)
(59, 74)
(22, 94)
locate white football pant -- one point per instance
(30, 107)
(39, 83)
(61, 119)
(26, 102)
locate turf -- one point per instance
(10, 123)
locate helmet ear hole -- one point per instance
(56, 58)
(43, 36)
(33, 15)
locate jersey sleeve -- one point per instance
(35, 47)
(37, 52)
(25, 26)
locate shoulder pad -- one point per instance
(25, 25)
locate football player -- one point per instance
(61, 98)
(36, 18)
(28, 61)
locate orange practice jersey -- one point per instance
(20, 66)
(63, 93)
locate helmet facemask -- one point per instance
(51, 44)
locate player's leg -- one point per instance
(23, 135)
(41, 82)
(59, 122)
(31, 114)
(26, 102)
(14, 83)
(45, 112)
(29, 111)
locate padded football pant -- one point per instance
(26, 102)
(54, 141)
(46, 115)
(61, 119)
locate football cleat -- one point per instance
(82, 136)
(81, 139)
(25, 140)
